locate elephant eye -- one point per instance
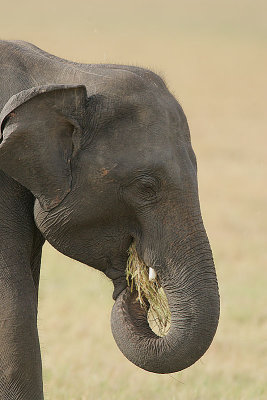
(144, 189)
(147, 187)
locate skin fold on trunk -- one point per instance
(188, 278)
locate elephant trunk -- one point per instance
(188, 278)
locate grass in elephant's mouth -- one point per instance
(137, 275)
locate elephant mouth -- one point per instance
(143, 285)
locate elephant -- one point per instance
(94, 157)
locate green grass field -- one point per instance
(213, 57)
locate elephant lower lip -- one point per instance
(119, 280)
(119, 285)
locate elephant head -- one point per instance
(109, 168)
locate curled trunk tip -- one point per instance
(194, 304)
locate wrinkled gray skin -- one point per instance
(93, 157)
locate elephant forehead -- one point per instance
(135, 143)
(139, 130)
(130, 149)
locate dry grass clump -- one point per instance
(137, 275)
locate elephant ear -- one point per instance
(41, 131)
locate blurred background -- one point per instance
(213, 57)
